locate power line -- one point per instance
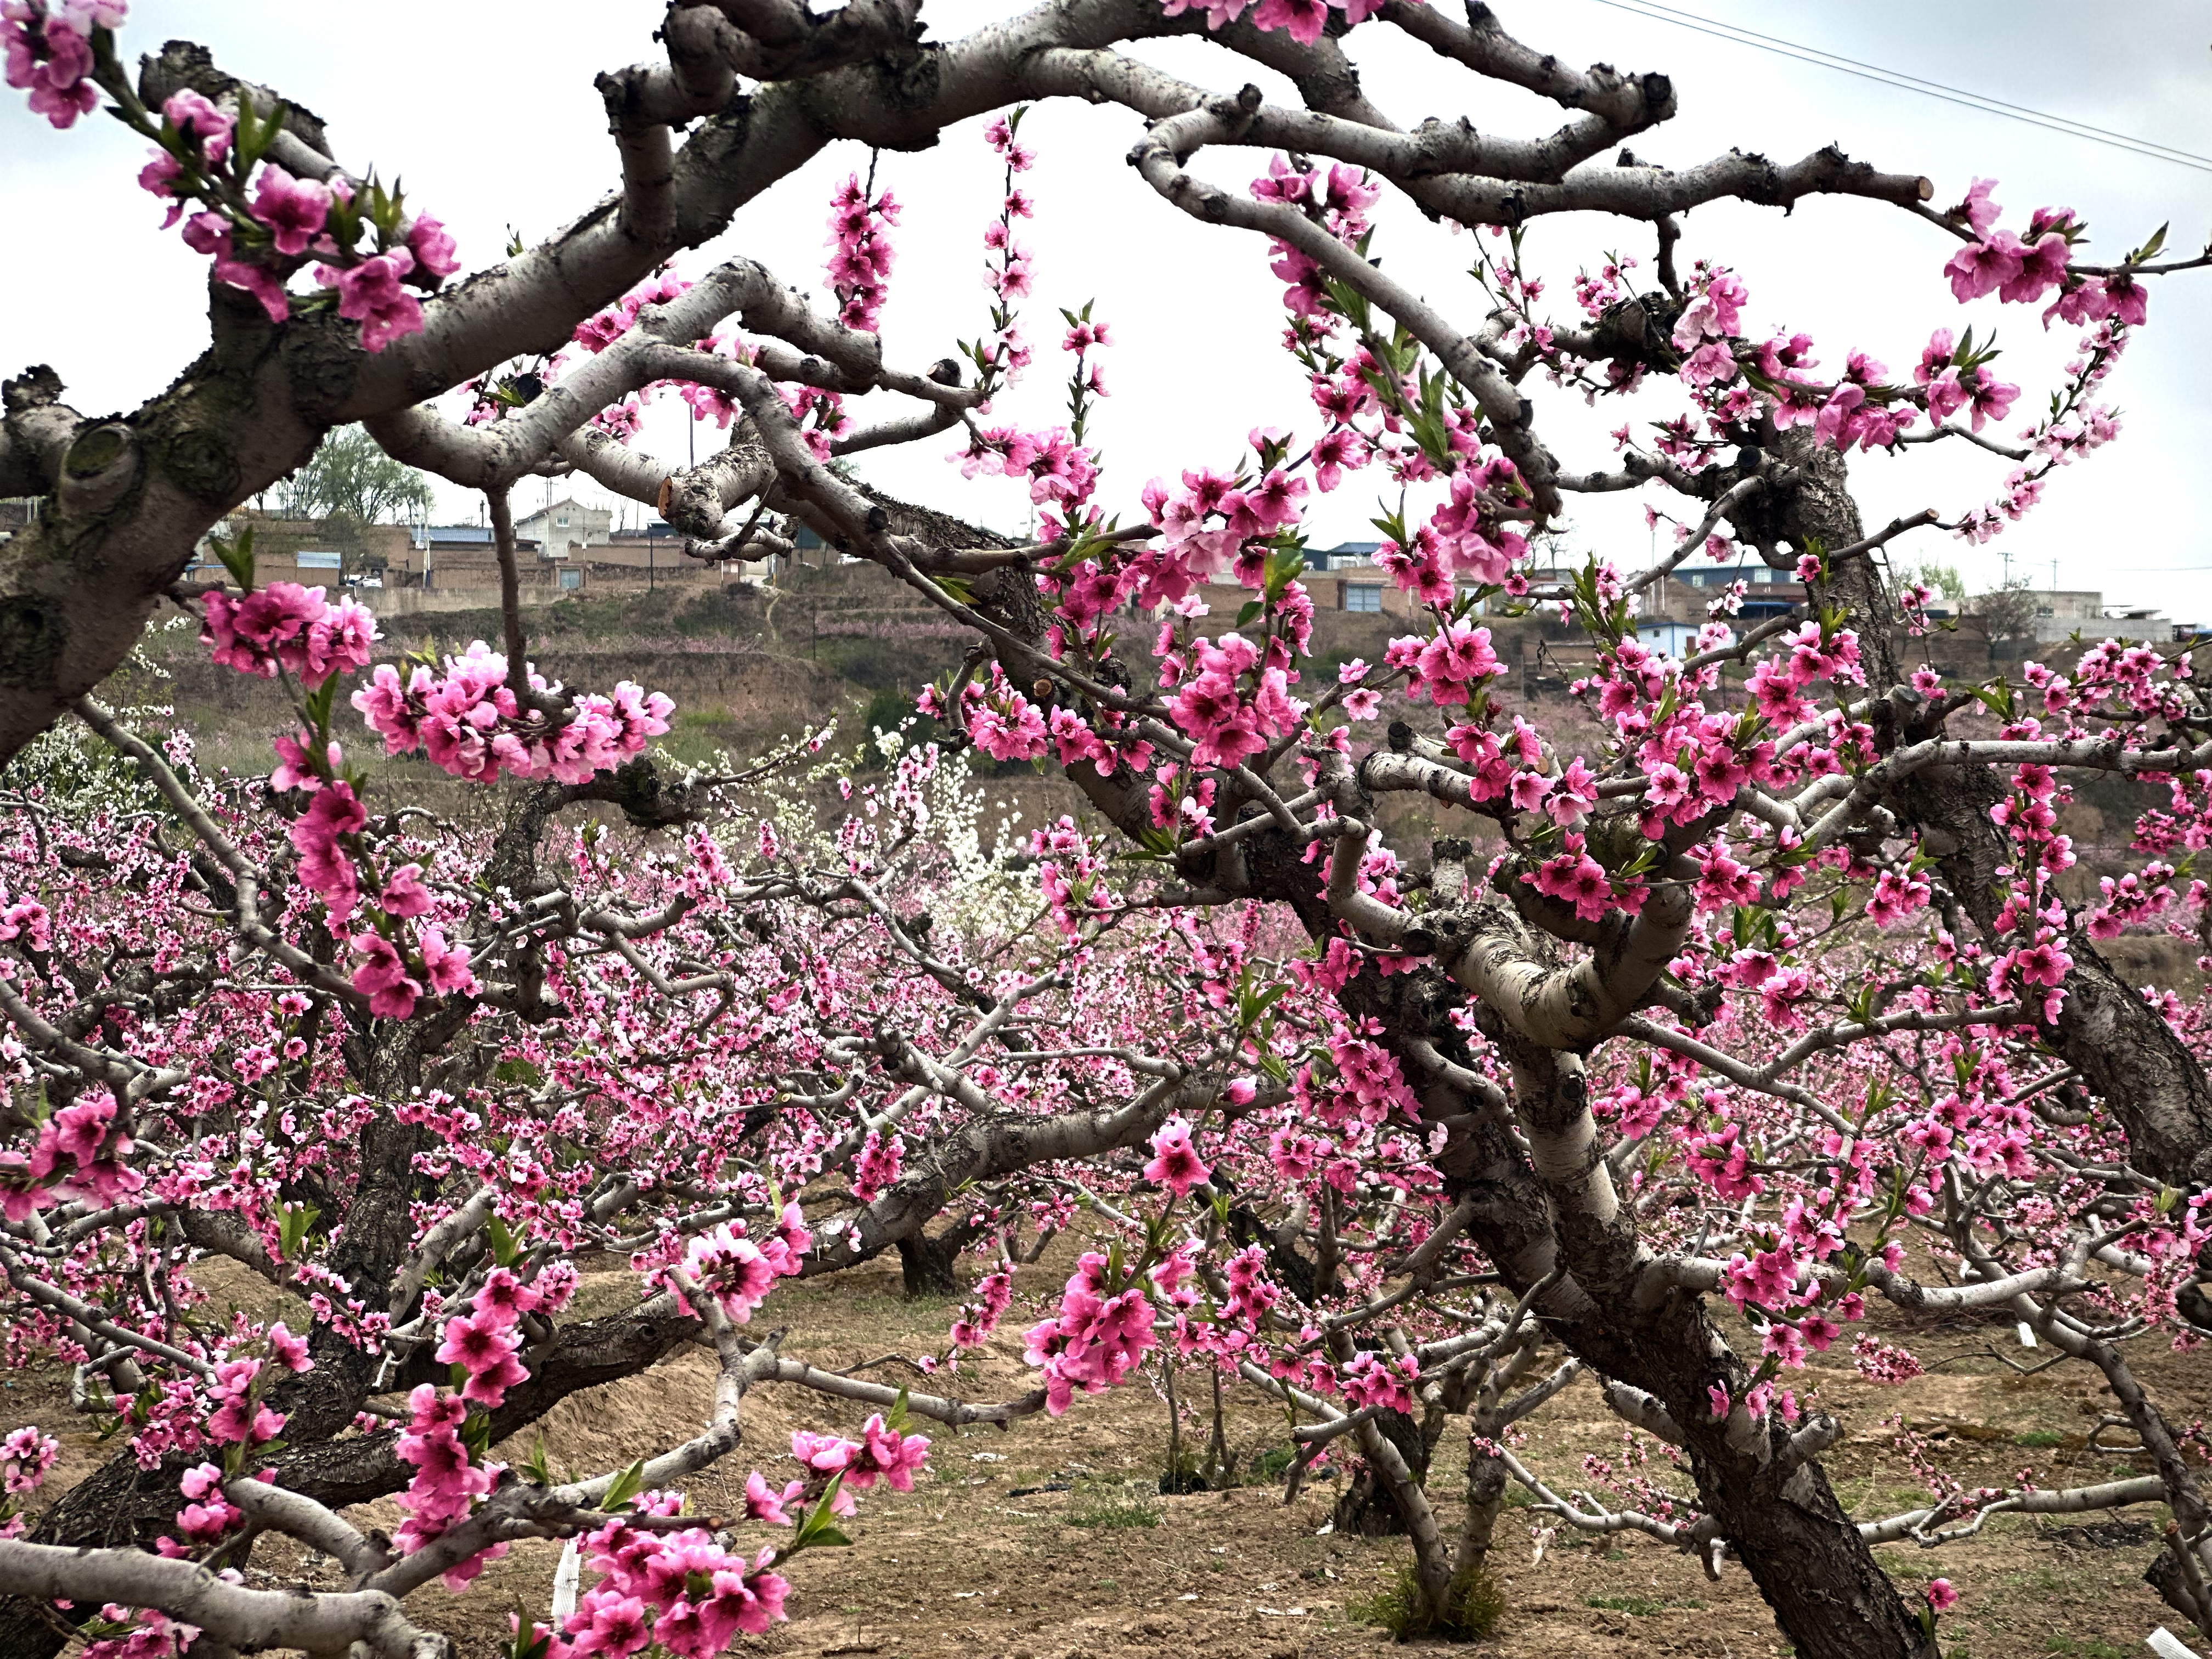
(2067, 126)
(1939, 86)
(2063, 125)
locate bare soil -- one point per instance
(1052, 1541)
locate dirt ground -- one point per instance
(1051, 1540)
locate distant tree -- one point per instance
(2008, 613)
(1943, 578)
(350, 478)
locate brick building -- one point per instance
(312, 552)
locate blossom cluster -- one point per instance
(737, 1272)
(881, 1453)
(862, 255)
(1207, 525)
(284, 627)
(49, 52)
(1231, 700)
(1097, 1338)
(483, 1342)
(88, 1134)
(1000, 359)
(26, 1457)
(1338, 201)
(1303, 20)
(2019, 270)
(678, 1590)
(465, 717)
(206, 152)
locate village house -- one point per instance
(566, 528)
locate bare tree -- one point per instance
(2008, 614)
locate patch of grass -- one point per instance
(1643, 1606)
(2094, 1647)
(1472, 1612)
(1115, 1515)
(2044, 1438)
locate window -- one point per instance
(561, 523)
(2042, 611)
(1362, 596)
(572, 579)
(307, 561)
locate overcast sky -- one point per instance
(489, 116)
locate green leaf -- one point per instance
(475, 1435)
(818, 1528)
(1159, 843)
(253, 144)
(293, 1226)
(319, 702)
(504, 1249)
(1996, 697)
(535, 1465)
(521, 1072)
(626, 1486)
(237, 558)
